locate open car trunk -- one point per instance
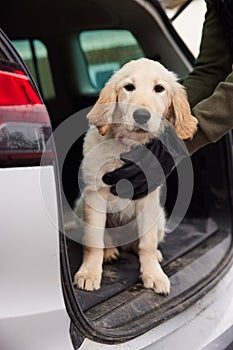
(196, 254)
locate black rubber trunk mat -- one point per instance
(124, 272)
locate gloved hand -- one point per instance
(147, 166)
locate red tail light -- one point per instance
(24, 121)
(16, 89)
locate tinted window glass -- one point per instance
(35, 55)
(106, 51)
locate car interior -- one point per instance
(71, 48)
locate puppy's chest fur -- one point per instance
(102, 155)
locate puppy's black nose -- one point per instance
(141, 116)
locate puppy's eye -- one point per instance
(159, 88)
(129, 87)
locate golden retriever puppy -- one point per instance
(133, 107)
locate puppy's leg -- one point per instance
(161, 224)
(161, 231)
(152, 274)
(110, 252)
(89, 274)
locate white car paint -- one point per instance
(33, 314)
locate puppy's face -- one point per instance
(143, 100)
(139, 99)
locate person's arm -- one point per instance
(210, 95)
(215, 116)
(214, 61)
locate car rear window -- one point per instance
(106, 51)
(35, 55)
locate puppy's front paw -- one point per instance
(111, 254)
(159, 282)
(87, 280)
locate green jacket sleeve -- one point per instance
(214, 61)
(210, 95)
(215, 116)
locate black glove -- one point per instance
(147, 167)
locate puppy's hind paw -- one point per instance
(111, 254)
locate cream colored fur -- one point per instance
(111, 133)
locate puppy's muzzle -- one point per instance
(141, 116)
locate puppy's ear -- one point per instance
(179, 114)
(100, 115)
